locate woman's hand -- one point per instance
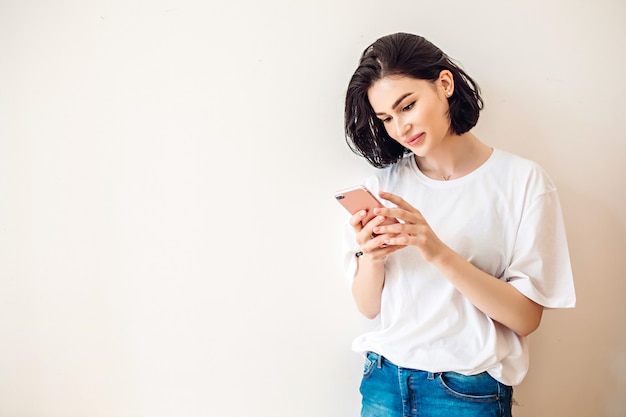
(413, 231)
(372, 243)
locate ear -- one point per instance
(446, 83)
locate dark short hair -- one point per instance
(408, 55)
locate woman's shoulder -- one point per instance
(521, 170)
(516, 161)
(510, 158)
(381, 178)
(402, 167)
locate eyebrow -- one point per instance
(396, 103)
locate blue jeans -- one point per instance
(391, 391)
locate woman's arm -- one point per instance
(368, 284)
(369, 278)
(497, 299)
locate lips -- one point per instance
(415, 140)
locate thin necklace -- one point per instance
(443, 177)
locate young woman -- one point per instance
(480, 250)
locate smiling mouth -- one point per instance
(414, 140)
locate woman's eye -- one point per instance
(408, 106)
(386, 120)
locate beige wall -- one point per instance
(168, 238)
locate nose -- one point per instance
(402, 127)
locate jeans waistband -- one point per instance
(380, 360)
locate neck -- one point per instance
(454, 157)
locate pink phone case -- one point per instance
(359, 198)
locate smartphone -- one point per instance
(359, 198)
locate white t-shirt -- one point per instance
(505, 219)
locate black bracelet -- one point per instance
(358, 254)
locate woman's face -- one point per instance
(413, 111)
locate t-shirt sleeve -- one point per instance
(540, 267)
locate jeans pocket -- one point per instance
(370, 364)
(475, 388)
